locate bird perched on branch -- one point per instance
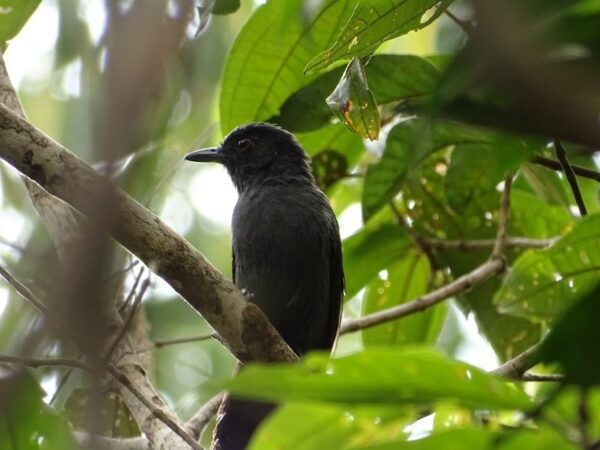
(287, 254)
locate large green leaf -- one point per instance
(378, 376)
(266, 61)
(408, 145)
(369, 251)
(544, 283)
(573, 342)
(14, 15)
(374, 22)
(391, 78)
(403, 281)
(476, 169)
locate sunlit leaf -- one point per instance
(265, 64)
(378, 376)
(403, 281)
(544, 283)
(374, 22)
(353, 103)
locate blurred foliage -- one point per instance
(457, 107)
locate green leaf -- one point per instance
(544, 283)
(541, 438)
(317, 426)
(573, 342)
(328, 167)
(369, 251)
(374, 22)
(405, 280)
(378, 376)
(264, 66)
(353, 103)
(13, 15)
(408, 145)
(26, 423)
(391, 78)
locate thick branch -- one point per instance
(241, 325)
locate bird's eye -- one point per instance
(242, 144)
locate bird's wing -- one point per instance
(336, 289)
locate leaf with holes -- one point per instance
(265, 64)
(353, 103)
(544, 283)
(374, 22)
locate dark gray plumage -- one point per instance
(286, 251)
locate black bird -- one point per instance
(287, 253)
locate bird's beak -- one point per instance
(213, 154)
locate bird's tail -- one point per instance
(236, 422)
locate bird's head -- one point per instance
(256, 153)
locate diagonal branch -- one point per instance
(561, 154)
(243, 328)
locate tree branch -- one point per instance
(516, 367)
(467, 245)
(45, 362)
(243, 328)
(199, 421)
(556, 165)
(561, 154)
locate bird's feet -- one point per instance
(249, 295)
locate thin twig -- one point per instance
(24, 292)
(467, 245)
(156, 412)
(200, 420)
(463, 24)
(555, 165)
(185, 340)
(550, 377)
(45, 362)
(132, 290)
(482, 273)
(136, 301)
(561, 155)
